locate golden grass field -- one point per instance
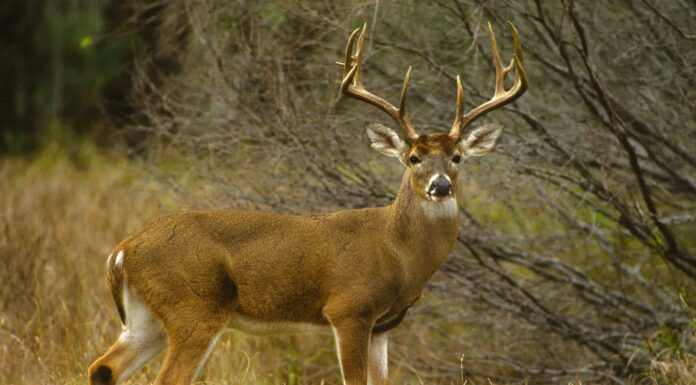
(61, 215)
(59, 222)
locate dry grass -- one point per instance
(672, 372)
(57, 222)
(59, 218)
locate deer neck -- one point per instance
(423, 231)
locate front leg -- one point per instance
(352, 342)
(378, 363)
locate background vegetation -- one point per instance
(576, 259)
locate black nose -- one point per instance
(440, 187)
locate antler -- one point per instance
(501, 97)
(352, 86)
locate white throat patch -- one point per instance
(440, 210)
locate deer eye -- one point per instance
(414, 159)
(456, 159)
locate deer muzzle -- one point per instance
(440, 186)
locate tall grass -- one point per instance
(60, 216)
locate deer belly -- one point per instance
(260, 328)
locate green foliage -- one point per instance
(62, 61)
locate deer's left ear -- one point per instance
(481, 140)
(385, 140)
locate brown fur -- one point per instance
(356, 270)
(188, 274)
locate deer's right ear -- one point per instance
(384, 139)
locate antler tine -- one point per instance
(348, 61)
(352, 86)
(404, 92)
(358, 56)
(501, 97)
(459, 110)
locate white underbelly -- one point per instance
(261, 328)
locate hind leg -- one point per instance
(141, 339)
(123, 358)
(192, 325)
(188, 351)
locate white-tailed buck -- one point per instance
(185, 277)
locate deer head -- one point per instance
(434, 159)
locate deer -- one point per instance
(186, 277)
